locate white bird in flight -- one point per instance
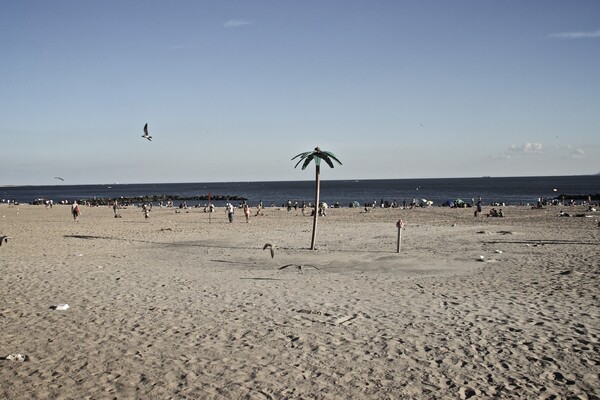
(146, 135)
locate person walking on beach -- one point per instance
(75, 211)
(229, 210)
(247, 212)
(146, 211)
(479, 207)
(116, 209)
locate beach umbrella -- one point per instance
(425, 203)
(448, 203)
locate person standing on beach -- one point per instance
(229, 210)
(479, 207)
(247, 212)
(146, 211)
(75, 211)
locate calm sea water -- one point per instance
(510, 190)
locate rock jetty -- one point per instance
(126, 200)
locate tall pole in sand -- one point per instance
(317, 190)
(400, 226)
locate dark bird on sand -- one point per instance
(300, 268)
(4, 239)
(146, 135)
(270, 247)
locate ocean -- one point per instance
(508, 190)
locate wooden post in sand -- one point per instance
(400, 226)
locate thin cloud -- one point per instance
(235, 23)
(577, 153)
(576, 35)
(527, 148)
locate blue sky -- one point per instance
(232, 90)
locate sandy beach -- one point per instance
(182, 307)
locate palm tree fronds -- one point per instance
(331, 155)
(302, 155)
(307, 161)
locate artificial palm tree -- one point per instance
(317, 154)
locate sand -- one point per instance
(179, 307)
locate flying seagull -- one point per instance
(58, 177)
(4, 239)
(298, 267)
(146, 135)
(270, 247)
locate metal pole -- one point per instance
(400, 225)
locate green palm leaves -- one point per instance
(316, 155)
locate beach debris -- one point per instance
(17, 357)
(4, 239)
(146, 135)
(270, 247)
(499, 251)
(481, 258)
(60, 307)
(345, 320)
(300, 268)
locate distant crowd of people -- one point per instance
(308, 208)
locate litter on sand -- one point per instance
(61, 307)
(16, 357)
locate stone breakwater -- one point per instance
(125, 200)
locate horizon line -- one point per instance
(296, 180)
